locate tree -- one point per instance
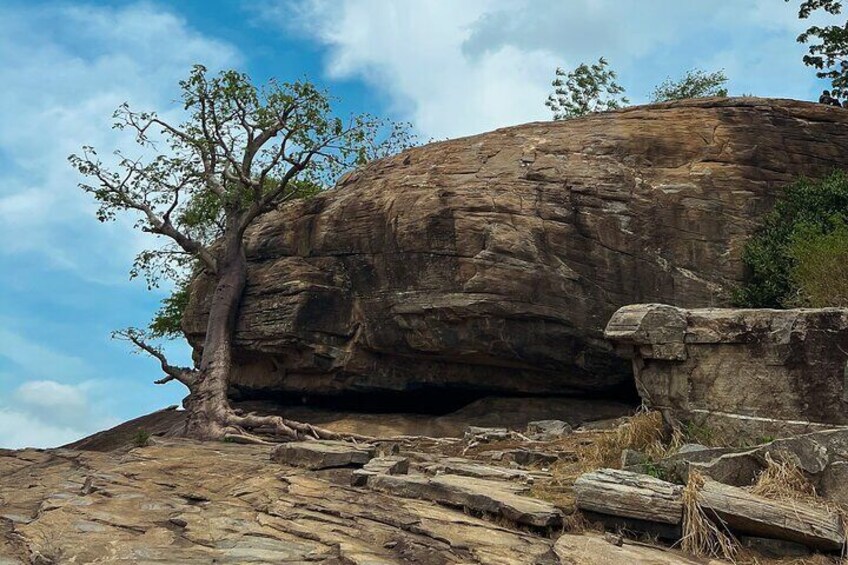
(828, 46)
(694, 84)
(779, 258)
(586, 89)
(241, 152)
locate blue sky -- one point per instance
(450, 68)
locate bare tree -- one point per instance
(241, 152)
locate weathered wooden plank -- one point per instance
(749, 514)
(629, 495)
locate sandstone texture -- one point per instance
(493, 262)
(183, 502)
(761, 373)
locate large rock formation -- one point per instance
(493, 262)
(739, 372)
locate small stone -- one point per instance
(547, 430)
(391, 465)
(527, 457)
(692, 448)
(614, 539)
(478, 434)
(317, 455)
(87, 487)
(631, 457)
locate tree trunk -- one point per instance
(209, 413)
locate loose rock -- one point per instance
(323, 454)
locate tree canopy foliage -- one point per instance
(694, 84)
(585, 90)
(241, 152)
(827, 49)
(797, 244)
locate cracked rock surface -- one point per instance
(493, 262)
(186, 502)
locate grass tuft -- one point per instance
(782, 480)
(702, 536)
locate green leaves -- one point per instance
(166, 322)
(694, 84)
(828, 46)
(806, 211)
(586, 89)
(819, 273)
(240, 152)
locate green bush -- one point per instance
(820, 271)
(785, 258)
(141, 438)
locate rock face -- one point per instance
(493, 262)
(756, 372)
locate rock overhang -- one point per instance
(492, 263)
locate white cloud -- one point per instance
(65, 69)
(47, 413)
(458, 68)
(55, 403)
(20, 429)
(414, 51)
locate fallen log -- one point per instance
(745, 513)
(629, 495)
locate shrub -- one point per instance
(141, 438)
(820, 271)
(789, 254)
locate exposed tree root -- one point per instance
(290, 429)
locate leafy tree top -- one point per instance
(586, 89)
(827, 45)
(240, 152)
(694, 84)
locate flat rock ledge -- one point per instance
(316, 455)
(741, 373)
(483, 496)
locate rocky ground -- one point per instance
(490, 496)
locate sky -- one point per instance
(450, 68)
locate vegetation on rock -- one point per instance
(242, 152)
(797, 256)
(694, 84)
(827, 50)
(585, 90)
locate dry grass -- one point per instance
(701, 535)
(783, 480)
(644, 432)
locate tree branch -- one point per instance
(182, 374)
